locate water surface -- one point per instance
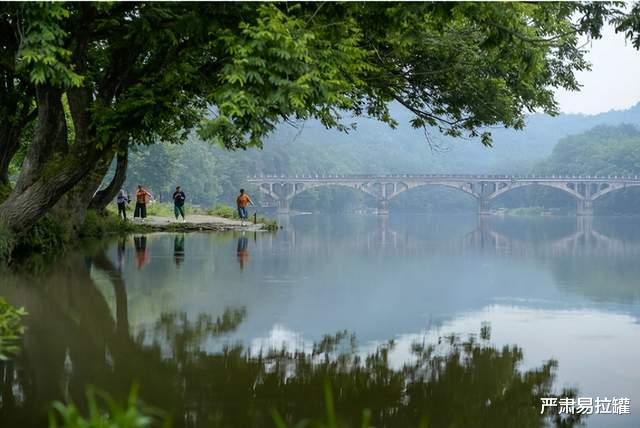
(448, 320)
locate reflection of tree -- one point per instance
(72, 341)
(185, 337)
(462, 383)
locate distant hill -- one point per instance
(374, 147)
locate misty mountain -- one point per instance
(374, 147)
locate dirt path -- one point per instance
(199, 222)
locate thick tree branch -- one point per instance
(102, 197)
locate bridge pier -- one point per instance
(383, 207)
(584, 207)
(483, 207)
(283, 206)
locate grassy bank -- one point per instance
(100, 226)
(49, 237)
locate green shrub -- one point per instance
(10, 328)
(268, 224)
(224, 211)
(100, 225)
(45, 236)
(160, 209)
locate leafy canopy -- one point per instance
(234, 70)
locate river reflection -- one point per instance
(445, 320)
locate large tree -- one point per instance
(17, 107)
(136, 73)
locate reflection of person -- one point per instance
(178, 203)
(122, 200)
(142, 254)
(178, 249)
(142, 197)
(243, 201)
(243, 254)
(121, 254)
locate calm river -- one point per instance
(438, 321)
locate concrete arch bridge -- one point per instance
(484, 188)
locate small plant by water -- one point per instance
(11, 329)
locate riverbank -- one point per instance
(200, 222)
(49, 237)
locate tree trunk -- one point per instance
(102, 197)
(9, 145)
(50, 137)
(102, 262)
(11, 131)
(70, 211)
(52, 167)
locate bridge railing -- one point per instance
(441, 176)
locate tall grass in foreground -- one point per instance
(331, 418)
(104, 412)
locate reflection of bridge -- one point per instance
(385, 239)
(585, 240)
(584, 189)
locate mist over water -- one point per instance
(411, 316)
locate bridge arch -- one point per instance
(378, 189)
(285, 192)
(517, 185)
(613, 187)
(463, 187)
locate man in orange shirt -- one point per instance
(243, 201)
(142, 197)
(243, 254)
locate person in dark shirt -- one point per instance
(178, 249)
(178, 203)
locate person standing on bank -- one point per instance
(142, 197)
(122, 200)
(243, 201)
(178, 203)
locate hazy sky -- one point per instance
(613, 82)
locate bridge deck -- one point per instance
(448, 177)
